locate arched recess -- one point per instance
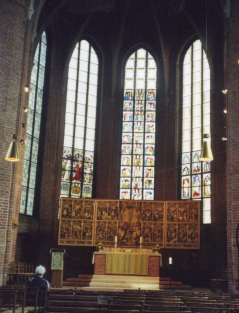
(33, 129)
(195, 80)
(26, 242)
(137, 163)
(78, 161)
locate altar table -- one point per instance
(126, 263)
(123, 263)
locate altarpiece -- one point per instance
(169, 224)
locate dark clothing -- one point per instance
(37, 281)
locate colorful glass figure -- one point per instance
(138, 127)
(196, 175)
(80, 123)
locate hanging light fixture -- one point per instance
(13, 153)
(206, 152)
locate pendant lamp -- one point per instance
(206, 152)
(13, 152)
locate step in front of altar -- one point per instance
(124, 282)
(121, 282)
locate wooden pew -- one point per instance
(35, 298)
(8, 300)
(164, 307)
(164, 303)
(12, 300)
(166, 310)
(205, 309)
(19, 273)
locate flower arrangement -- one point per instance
(100, 246)
(156, 248)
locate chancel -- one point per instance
(127, 170)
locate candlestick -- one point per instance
(140, 244)
(115, 250)
(170, 260)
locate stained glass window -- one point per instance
(80, 123)
(33, 128)
(196, 175)
(137, 171)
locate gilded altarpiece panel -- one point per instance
(106, 221)
(130, 217)
(182, 225)
(76, 222)
(174, 224)
(152, 223)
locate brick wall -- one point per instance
(100, 261)
(13, 34)
(154, 266)
(232, 101)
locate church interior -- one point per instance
(110, 102)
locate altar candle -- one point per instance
(115, 239)
(140, 239)
(170, 261)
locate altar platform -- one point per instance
(120, 283)
(125, 269)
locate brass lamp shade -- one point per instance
(13, 152)
(206, 152)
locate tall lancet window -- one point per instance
(33, 128)
(80, 123)
(196, 175)
(137, 169)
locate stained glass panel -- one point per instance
(33, 128)
(80, 123)
(195, 175)
(186, 187)
(138, 127)
(207, 209)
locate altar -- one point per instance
(123, 262)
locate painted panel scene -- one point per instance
(174, 224)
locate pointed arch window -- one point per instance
(80, 123)
(137, 171)
(33, 128)
(195, 175)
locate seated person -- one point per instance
(38, 281)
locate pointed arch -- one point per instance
(33, 128)
(195, 175)
(137, 170)
(80, 122)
